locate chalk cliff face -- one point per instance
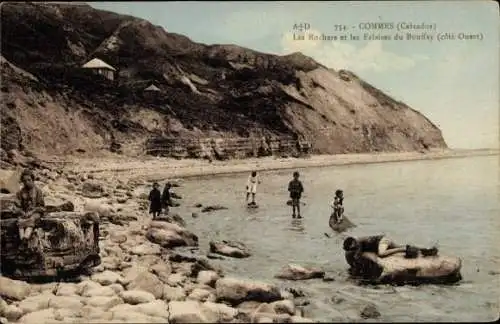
(49, 104)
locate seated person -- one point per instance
(31, 203)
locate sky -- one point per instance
(454, 83)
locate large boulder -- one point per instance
(230, 248)
(169, 235)
(297, 272)
(236, 291)
(14, 289)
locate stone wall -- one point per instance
(226, 148)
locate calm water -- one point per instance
(453, 203)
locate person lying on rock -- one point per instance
(155, 200)
(31, 204)
(382, 246)
(337, 205)
(166, 197)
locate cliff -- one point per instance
(209, 94)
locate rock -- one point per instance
(92, 189)
(157, 308)
(190, 312)
(207, 277)
(101, 209)
(300, 319)
(35, 303)
(147, 281)
(214, 256)
(117, 288)
(370, 311)
(236, 291)
(175, 279)
(172, 218)
(90, 313)
(146, 249)
(230, 248)
(41, 316)
(107, 278)
(105, 302)
(162, 270)
(194, 215)
(224, 313)
(14, 289)
(135, 297)
(173, 293)
(201, 295)
(68, 315)
(283, 307)
(65, 206)
(212, 208)
(122, 199)
(328, 277)
(297, 272)
(170, 235)
(66, 289)
(118, 238)
(68, 302)
(99, 291)
(13, 313)
(198, 205)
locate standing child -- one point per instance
(296, 189)
(252, 182)
(337, 205)
(166, 198)
(155, 200)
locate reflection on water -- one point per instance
(453, 202)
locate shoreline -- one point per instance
(152, 168)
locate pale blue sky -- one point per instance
(454, 83)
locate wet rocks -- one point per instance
(297, 272)
(369, 311)
(207, 209)
(230, 248)
(169, 235)
(236, 291)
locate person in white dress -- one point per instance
(252, 182)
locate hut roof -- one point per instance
(98, 64)
(152, 88)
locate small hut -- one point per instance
(100, 67)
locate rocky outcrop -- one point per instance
(217, 101)
(297, 272)
(230, 248)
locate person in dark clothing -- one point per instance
(382, 246)
(338, 205)
(166, 198)
(295, 189)
(155, 200)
